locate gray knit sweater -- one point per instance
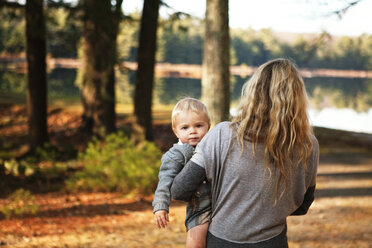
(172, 163)
(243, 209)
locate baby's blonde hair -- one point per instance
(272, 111)
(189, 104)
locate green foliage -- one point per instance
(26, 166)
(116, 164)
(64, 30)
(181, 48)
(12, 31)
(303, 51)
(18, 168)
(128, 38)
(42, 154)
(60, 84)
(13, 83)
(180, 40)
(20, 202)
(124, 89)
(43, 164)
(249, 48)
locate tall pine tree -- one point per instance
(101, 24)
(36, 75)
(145, 72)
(216, 61)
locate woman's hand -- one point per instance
(161, 218)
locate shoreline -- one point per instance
(194, 71)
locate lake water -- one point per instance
(340, 103)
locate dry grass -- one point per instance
(337, 219)
(340, 217)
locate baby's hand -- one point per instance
(161, 218)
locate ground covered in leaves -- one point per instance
(341, 215)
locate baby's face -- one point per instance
(191, 127)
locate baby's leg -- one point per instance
(197, 236)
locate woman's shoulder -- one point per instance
(223, 125)
(222, 131)
(315, 141)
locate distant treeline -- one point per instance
(180, 41)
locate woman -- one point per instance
(262, 165)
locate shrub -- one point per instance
(20, 202)
(19, 168)
(45, 165)
(43, 161)
(116, 164)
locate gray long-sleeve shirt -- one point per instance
(172, 163)
(243, 208)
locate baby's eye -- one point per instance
(184, 128)
(199, 125)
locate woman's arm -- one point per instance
(187, 181)
(308, 199)
(172, 163)
(309, 195)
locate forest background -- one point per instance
(180, 41)
(76, 180)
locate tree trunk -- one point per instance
(216, 61)
(36, 76)
(145, 72)
(99, 57)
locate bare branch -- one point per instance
(340, 13)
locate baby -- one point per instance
(190, 122)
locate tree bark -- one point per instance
(145, 72)
(36, 76)
(101, 23)
(216, 61)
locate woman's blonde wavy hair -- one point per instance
(273, 111)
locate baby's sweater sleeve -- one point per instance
(172, 163)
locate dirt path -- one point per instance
(341, 216)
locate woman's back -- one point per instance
(243, 188)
